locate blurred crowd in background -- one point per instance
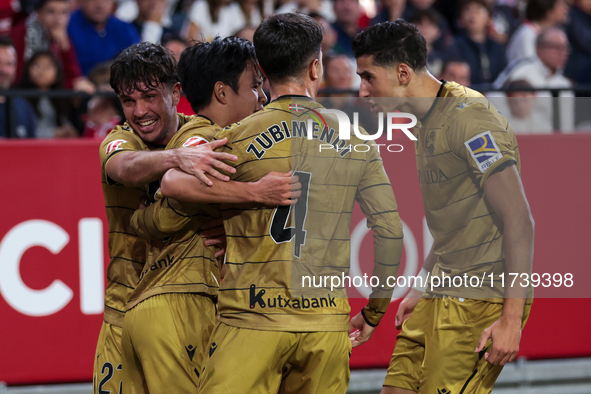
(486, 44)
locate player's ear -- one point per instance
(315, 70)
(176, 94)
(220, 92)
(404, 74)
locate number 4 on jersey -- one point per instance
(279, 232)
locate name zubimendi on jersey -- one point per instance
(300, 129)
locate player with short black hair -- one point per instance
(205, 64)
(468, 164)
(298, 336)
(171, 312)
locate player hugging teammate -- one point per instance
(172, 325)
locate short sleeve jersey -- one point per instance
(178, 261)
(462, 140)
(126, 250)
(270, 248)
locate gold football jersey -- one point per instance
(178, 261)
(462, 140)
(126, 250)
(271, 249)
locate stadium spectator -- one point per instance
(149, 21)
(545, 71)
(329, 38)
(346, 25)
(9, 14)
(44, 72)
(485, 56)
(539, 15)
(104, 113)
(210, 18)
(47, 30)
(322, 7)
(176, 45)
(413, 6)
(98, 36)
(578, 30)
(456, 70)
(545, 68)
(520, 114)
(428, 22)
(23, 112)
(504, 21)
(390, 10)
(338, 72)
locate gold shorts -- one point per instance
(434, 352)
(108, 363)
(249, 361)
(164, 341)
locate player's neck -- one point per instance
(293, 88)
(216, 115)
(425, 88)
(174, 127)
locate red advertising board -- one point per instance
(53, 256)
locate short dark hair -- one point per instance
(205, 63)
(6, 41)
(143, 63)
(536, 10)
(286, 44)
(465, 3)
(392, 42)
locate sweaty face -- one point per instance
(54, 15)
(250, 97)
(152, 114)
(379, 85)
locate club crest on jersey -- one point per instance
(114, 145)
(195, 141)
(484, 150)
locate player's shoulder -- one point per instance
(196, 131)
(121, 135)
(464, 106)
(252, 125)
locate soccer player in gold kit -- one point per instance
(456, 338)
(273, 335)
(172, 311)
(132, 156)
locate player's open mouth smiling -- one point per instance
(147, 125)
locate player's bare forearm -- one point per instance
(142, 167)
(273, 189)
(505, 193)
(136, 169)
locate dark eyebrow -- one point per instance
(365, 74)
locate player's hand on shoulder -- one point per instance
(359, 331)
(277, 188)
(505, 334)
(407, 306)
(202, 160)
